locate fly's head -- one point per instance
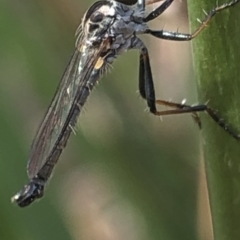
(96, 22)
(113, 25)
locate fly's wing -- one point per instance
(73, 80)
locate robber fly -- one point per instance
(108, 29)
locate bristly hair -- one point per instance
(79, 35)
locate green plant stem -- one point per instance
(216, 55)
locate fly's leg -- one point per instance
(146, 89)
(141, 5)
(149, 2)
(155, 13)
(182, 108)
(158, 11)
(146, 85)
(176, 36)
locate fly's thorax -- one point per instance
(129, 19)
(128, 23)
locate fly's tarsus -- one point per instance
(183, 108)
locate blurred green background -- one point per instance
(125, 174)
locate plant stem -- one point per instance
(216, 55)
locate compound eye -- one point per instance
(93, 27)
(96, 17)
(93, 13)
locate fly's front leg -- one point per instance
(176, 36)
(141, 5)
(183, 108)
(158, 11)
(149, 2)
